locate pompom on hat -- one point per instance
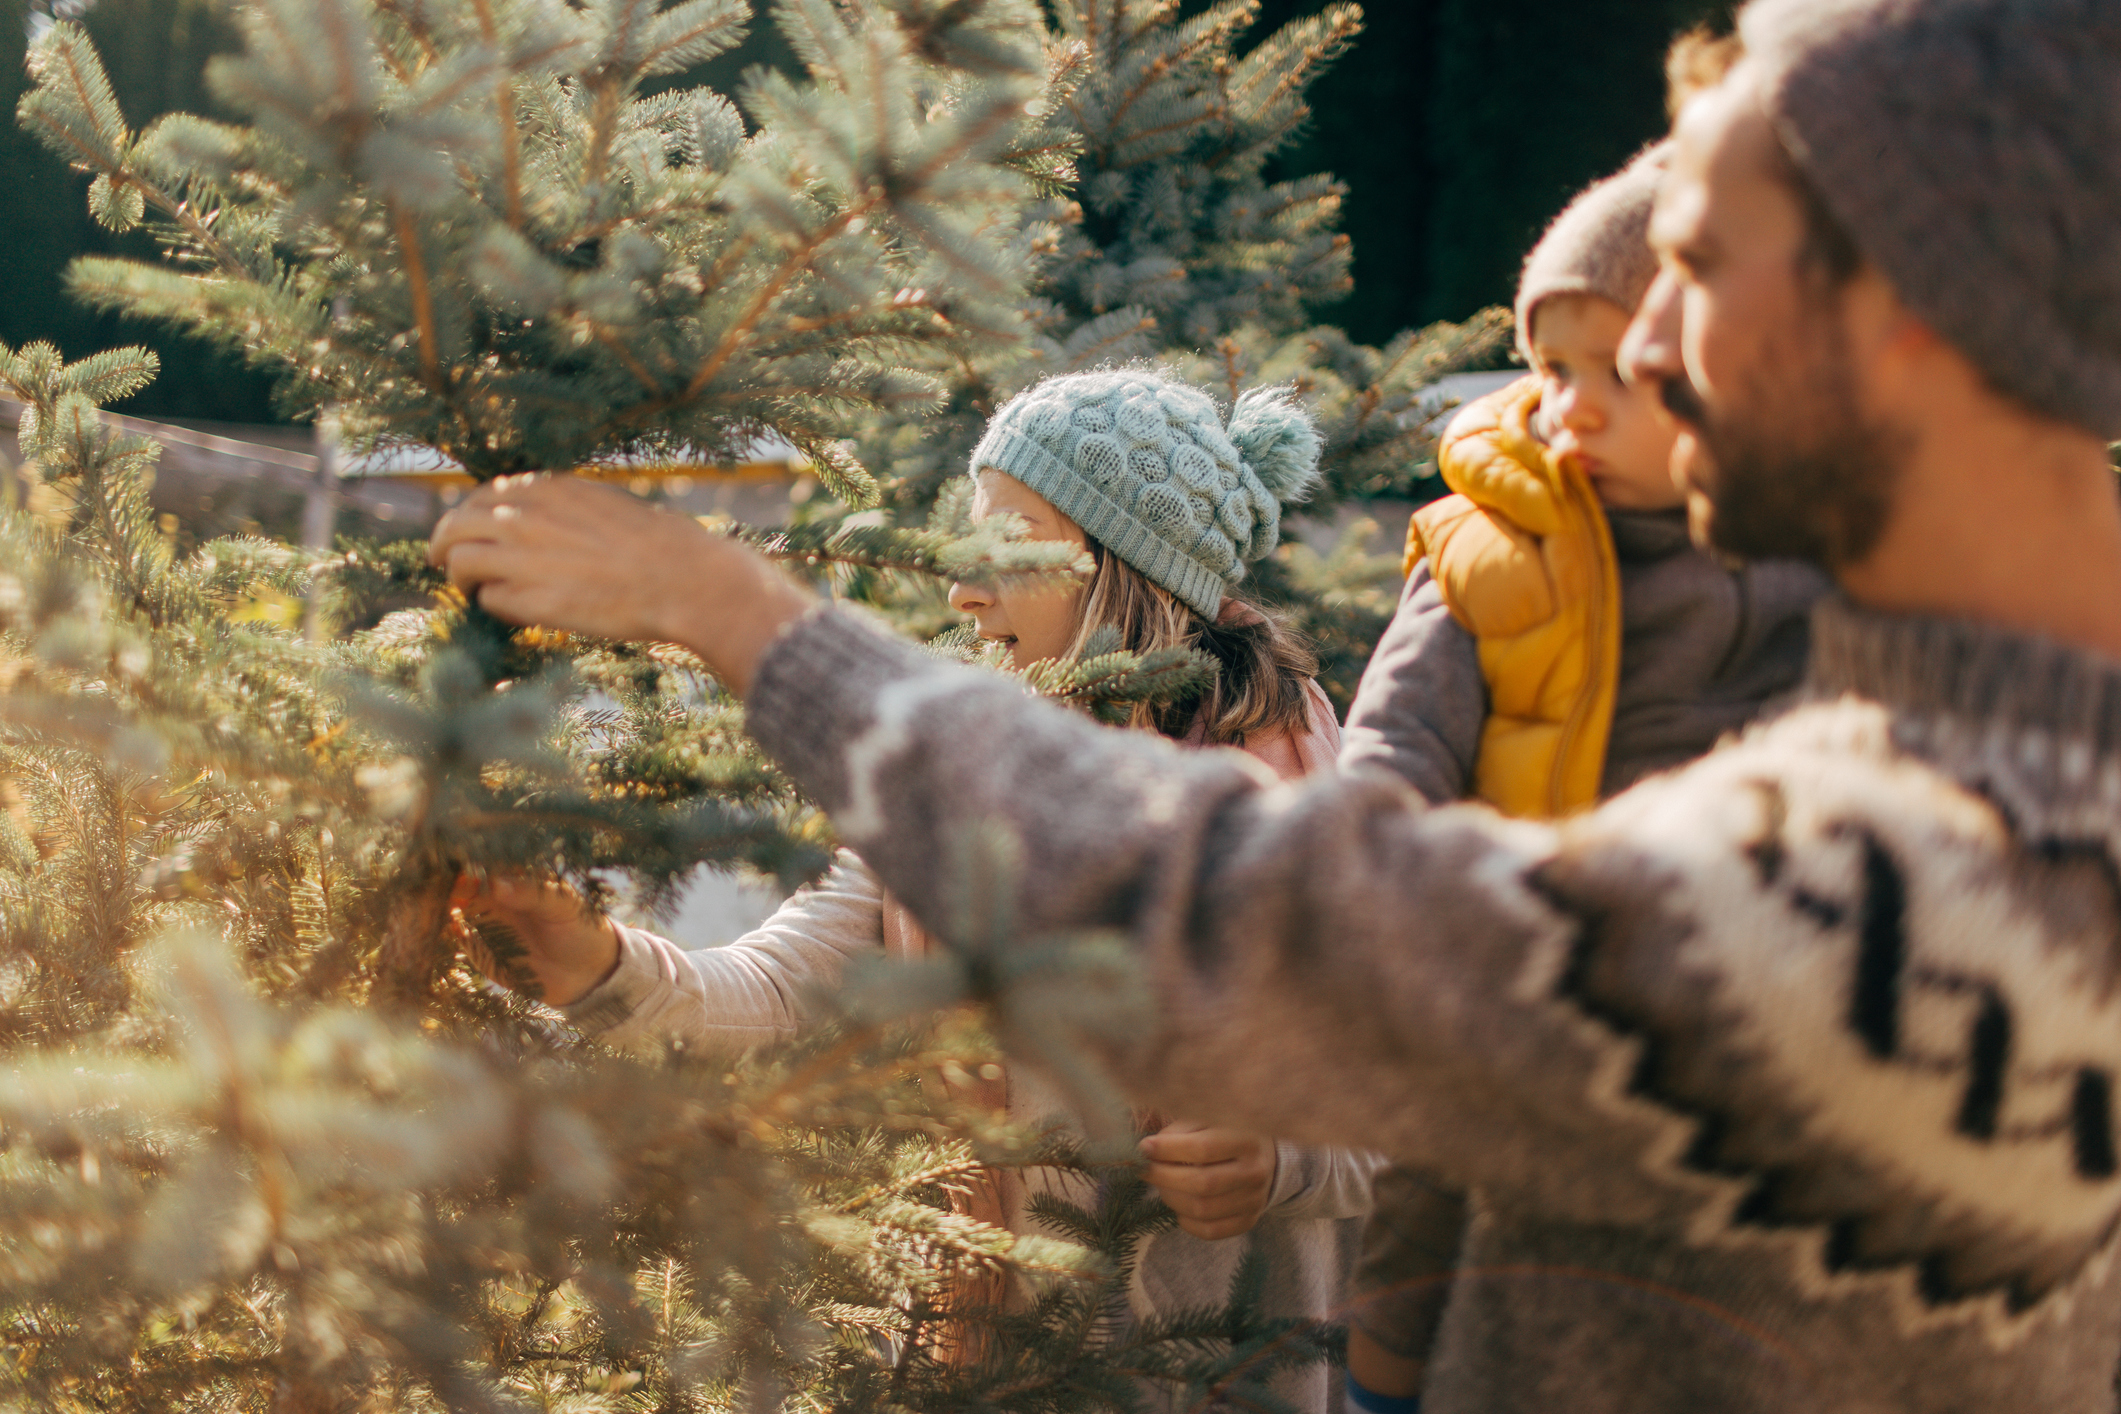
(1147, 467)
(1972, 150)
(1598, 245)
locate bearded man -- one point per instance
(1787, 1079)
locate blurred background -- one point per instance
(1459, 127)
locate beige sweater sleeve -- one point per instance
(1314, 1181)
(753, 992)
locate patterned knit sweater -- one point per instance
(1803, 1056)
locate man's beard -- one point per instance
(1790, 468)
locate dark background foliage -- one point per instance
(1459, 126)
(156, 51)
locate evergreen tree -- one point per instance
(247, 1169)
(156, 52)
(462, 225)
(279, 1144)
(1174, 246)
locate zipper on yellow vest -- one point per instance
(1604, 582)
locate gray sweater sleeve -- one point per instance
(1423, 701)
(1294, 932)
(753, 992)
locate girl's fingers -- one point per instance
(1175, 1145)
(1202, 1180)
(1217, 1181)
(519, 890)
(1217, 1220)
(519, 899)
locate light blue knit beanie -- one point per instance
(1145, 465)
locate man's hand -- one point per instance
(567, 948)
(1216, 1180)
(569, 554)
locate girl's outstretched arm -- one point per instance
(759, 990)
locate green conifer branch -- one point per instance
(637, 216)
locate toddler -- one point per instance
(1559, 638)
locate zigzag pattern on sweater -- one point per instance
(1898, 931)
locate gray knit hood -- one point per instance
(1972, 148)
(1599, 245)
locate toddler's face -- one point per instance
(1608, 429)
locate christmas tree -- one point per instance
(1175, 246)
(277, 1142)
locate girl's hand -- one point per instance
(567, 948)
(569, 554)
(1216, 1180)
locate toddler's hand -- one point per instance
(1216, 1180)
(567, 948)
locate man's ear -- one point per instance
(1893, 350)
(1909, 336)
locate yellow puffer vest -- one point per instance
(1524, 558)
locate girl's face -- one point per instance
(1036, 620)
(1609, 429)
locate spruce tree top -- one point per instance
(461, 223)
(1176, 216)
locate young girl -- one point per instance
(1171, 504)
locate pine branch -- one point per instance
(422, 298)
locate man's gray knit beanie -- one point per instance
(1972, 149)
(1145, 465)
(1598, 245)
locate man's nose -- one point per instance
(970, 598)
(1649, 351)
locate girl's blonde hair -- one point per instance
(1262, 664)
